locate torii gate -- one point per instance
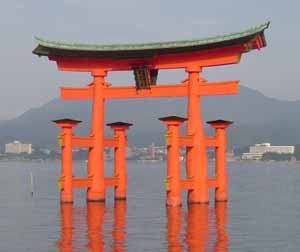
(145, 60)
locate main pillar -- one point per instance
(173, 187)
(196, 160)
(120, 158)
(96, 192)
(220, 135)
(66, 189)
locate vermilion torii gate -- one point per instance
(145, 60)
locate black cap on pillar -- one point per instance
(172, 120)
(66, 122)
(119, 125)
(219, 123)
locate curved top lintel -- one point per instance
(146, 50)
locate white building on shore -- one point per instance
(257, 151)
(17, 147)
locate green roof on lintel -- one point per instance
(149, 46)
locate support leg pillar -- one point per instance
(173, 186)
(65, 181)
(120, 158)
(221, 190)
(220, 128)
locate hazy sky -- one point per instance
(28, 81)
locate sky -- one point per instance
(28, 81)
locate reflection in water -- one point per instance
(119, 229)
(95, 218)
(221, 219)
(66, 223)
(197, 227)
(174, 221)
(197, 230)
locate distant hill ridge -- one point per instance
(257, 118)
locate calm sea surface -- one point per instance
(263, 212)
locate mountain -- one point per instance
(257, 118)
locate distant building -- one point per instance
(266, 147)
(257, 151)
(17, 147)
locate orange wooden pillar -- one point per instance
(120, 158)
(173, 229)
(196, 160)
(221, 219)
(65, 181)
(66, 228)
(96, 192)
(95, 218)
(173, 182)
(220, 136)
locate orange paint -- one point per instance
(120, 158)
(196, 160)
(173, 162)
(163, 90)
(206, 58)
(221, 177)
(66, 125)
(96, 160)
(82, 141)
